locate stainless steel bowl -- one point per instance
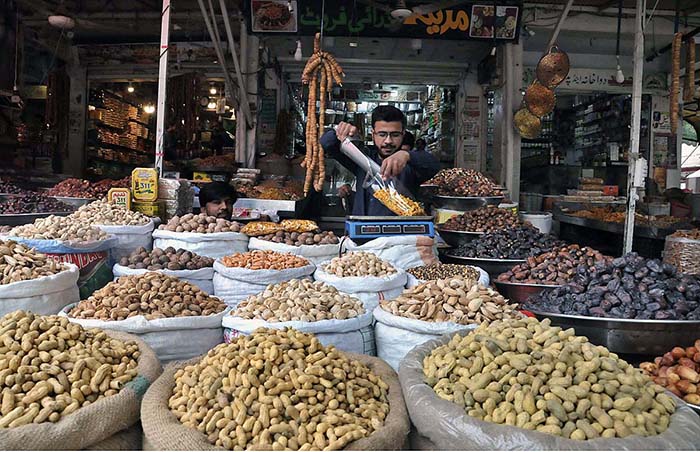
(26, 218)
(493, 267)
(457, 238)
(630, 336)
(465, 204)
(519, 293)
(75, 202)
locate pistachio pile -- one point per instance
(279, 390)
(202, 223)
(532, 375)
(264, 260)
(166, 259)
(20, 263)
(152, 295)
(59, 228)
(359, 263)
(52, 368)
(456, 299)
(442, 271)
(103, 212)
(299, 299)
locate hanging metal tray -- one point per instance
(630, 336)
(457, 238)
(519, 293)
(465, 203)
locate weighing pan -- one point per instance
(540, 100)
(528, 125)
(553, 67)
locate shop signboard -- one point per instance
(586, 79)
(470, 20)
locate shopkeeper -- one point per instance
(409, 167)
(217, 199)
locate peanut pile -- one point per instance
(456, 299)
(264, 260)
(279, 390)
(152, 295)
(299, 299)
(19, 263)
(201, 223)
(359, 263)
(51, 367)
(532, 375)
(167, 259)
(59, 228)
(103, 212)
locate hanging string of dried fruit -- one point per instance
(689, 88)
(675, 80)
(321, 72)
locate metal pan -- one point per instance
(540, 100)
(519, 293)
(553, 67)
(465, 203)
(457, 238)
(528, 125)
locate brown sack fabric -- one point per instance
(129, 439)
(162, 430)
(95, 422)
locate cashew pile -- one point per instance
(279, 390)
(264, 260)
(454, 299)
(103, 212)
(201, 223)
(51, 367)
(152, 295)
(299, 299)
(359, 264)
(539, 377)
(19, 263)
(59, 228)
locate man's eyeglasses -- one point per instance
(393, 135)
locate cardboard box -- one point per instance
(152, 209)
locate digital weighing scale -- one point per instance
(363, 228)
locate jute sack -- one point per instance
(129, 439)
(96, 422)
(162, 430)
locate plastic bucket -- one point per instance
(540, 220)
(512, 206)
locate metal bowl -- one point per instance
(26, 218)
(695, 408)
(630, 336)
(463, 203)
(519, 293)
(457, 238)
(493, 267)
(75, 202)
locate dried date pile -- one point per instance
(464, 182)
(485, 219)
(29, 202)
(73, 188)
(629, 287)
(515, 243)
(555, 267)
(7, 186)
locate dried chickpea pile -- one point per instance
(103, 212)
(453, 299)
(20, 263)
(279, 390)
(532, 375)
(152, 295)
(51, 367)
(59, 228)
(201, 223)
(359, 263)
(401, 205)
(299, 299)
(264, 260)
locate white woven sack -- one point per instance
(403, 251)
(201, 278)
(351, 335)
(46, 295)
(214, 245)
(129, 239)
(235, 284)
(314, 253)
(174, 338)
(396, 336)
(368, 289)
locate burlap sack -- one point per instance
(162, 430)
(95, 422)
(129, 439)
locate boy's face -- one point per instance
(220, 208)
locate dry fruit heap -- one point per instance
(279, 390)
(20, 263)
(677, 371)
(51, 367)
(401, 205)
(532, 375)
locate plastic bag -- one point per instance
(256, 228)
(401, 205)
(683, 253)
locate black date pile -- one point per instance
(7, 187)
(485, 219)
(629, 287)
(464, 182)
(30, 202)
(555, 267)
(515, 243)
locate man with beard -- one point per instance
(409, 167)
(216, 199)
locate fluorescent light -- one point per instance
(353, 44)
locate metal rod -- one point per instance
(635, 126)
(560, 23)
(619, 27)
(668, 47)
(236, 64)
(161, 110)
(217, 48)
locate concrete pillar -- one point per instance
(77, 110)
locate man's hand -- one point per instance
(344, 130)
(344, 191)
(394, 164)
